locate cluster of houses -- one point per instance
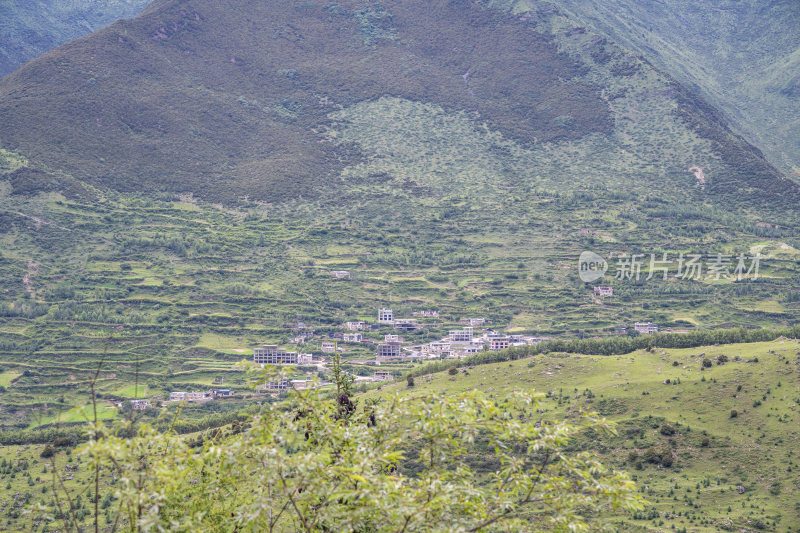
(199, 396)
(182, 396)
(645, 328)
(284, 385)
(459, 343)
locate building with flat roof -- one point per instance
(499, 343)
(604, 291)
(406, 324)
(645, 328)
(270, 354)
(385, 316)
(461, 335)
(390, 349)
(140, 405)
(328, 347)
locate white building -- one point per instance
(461, 335)
(463, 349)
(353, 337)
(340, 274)
(473, 321)
(392, 338)
(194, 396)
(385, 316)
(328, 347)
(645, 328)
(356, 326)
(140, 405)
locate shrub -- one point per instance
(706, 442)
(734, 413)
(47, 452)
(453, 371)
(410, 381)
(667, 429)
(707, 363)
(332, 472)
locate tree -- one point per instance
(299, 466)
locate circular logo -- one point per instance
(591, 267)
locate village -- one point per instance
(367, 344)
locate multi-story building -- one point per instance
(272, 355)
(473, 321)
(356, 326)
(390, 349)
(463, 349)
(385, 316)
(353, 337)
(328, 347)
(461, 335)
(274, 386)
(498, 343)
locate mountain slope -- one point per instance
(28, 28)
(241, 99)
(743, 57)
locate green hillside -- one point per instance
(29, 28)
(172, 210)
(177, 189)
(667, 405)
(701, 468)
(742, 57)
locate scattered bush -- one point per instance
(667, 429)
(47, 452)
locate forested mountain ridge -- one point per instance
(741, 56)
(29, 28)
(259, 100)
